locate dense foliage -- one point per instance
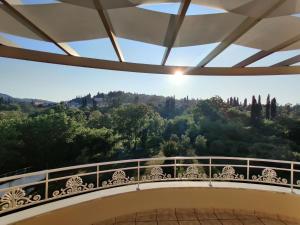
(106, 127)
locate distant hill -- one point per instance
(9, 98)
(5, 97)
(103, 100)
(116, 98)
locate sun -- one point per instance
(177, 78)
(178, 73)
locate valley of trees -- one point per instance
(121, 125)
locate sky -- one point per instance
(26, 79)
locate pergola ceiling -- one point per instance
(266, 25)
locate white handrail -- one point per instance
(66, 181)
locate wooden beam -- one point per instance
(174, 28)
(11, 10)
(246, 25)
(261, 54)
(109, 29)
(288, 62)
(38, 56)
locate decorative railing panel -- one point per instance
(69, 181)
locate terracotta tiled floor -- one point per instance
(198, 217)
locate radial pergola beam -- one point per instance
(11, 10)
(38, 56)
(288, 62)
(109, 29)
(248, 23)
(174, 27)
(262, 54)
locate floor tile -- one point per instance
(185, 214)
(267, 221)
(291, 222)
(147, 223)
(202, 215)
(146, 216)
(252, 222)
(195, 222)
(126, 223)
(126, 218)
(210, 222)
(166, 214)
(231, 222)
(175, 222)
(106, 222)
(225, 215)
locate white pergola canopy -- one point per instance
(266, 25)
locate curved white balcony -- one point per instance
(124, 176)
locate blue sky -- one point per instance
(55, 82)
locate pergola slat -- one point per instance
(288, 62)
(174, 29)
(38, 56)
(236, 34)
(263, 53)
(109, 29)
(34, 28)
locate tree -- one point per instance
(200, 144)
(170, 148)
(2, 100)
(94, 103)
(256, 111)
(12, 152)
(132, 122)
(259, 108)
(93, 145)
(208, 109)
(95, 119)
(273, 108)
(268, 108)
(84, 102)
(46, 139)
(245, 103)
(170, 109)
(177, 126)
(253, 110)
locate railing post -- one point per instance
(175, 168)
(248, 169)
(210, 172)
(97, 174)
(292, 177)
(46, 185)
(138, 186)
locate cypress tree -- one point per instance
(273, 108)
(268, 107)
(245, 103)
(253, 110)
(259, 108)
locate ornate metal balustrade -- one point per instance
(58, 183)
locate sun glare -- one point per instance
(178, 73)
(177, 78)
